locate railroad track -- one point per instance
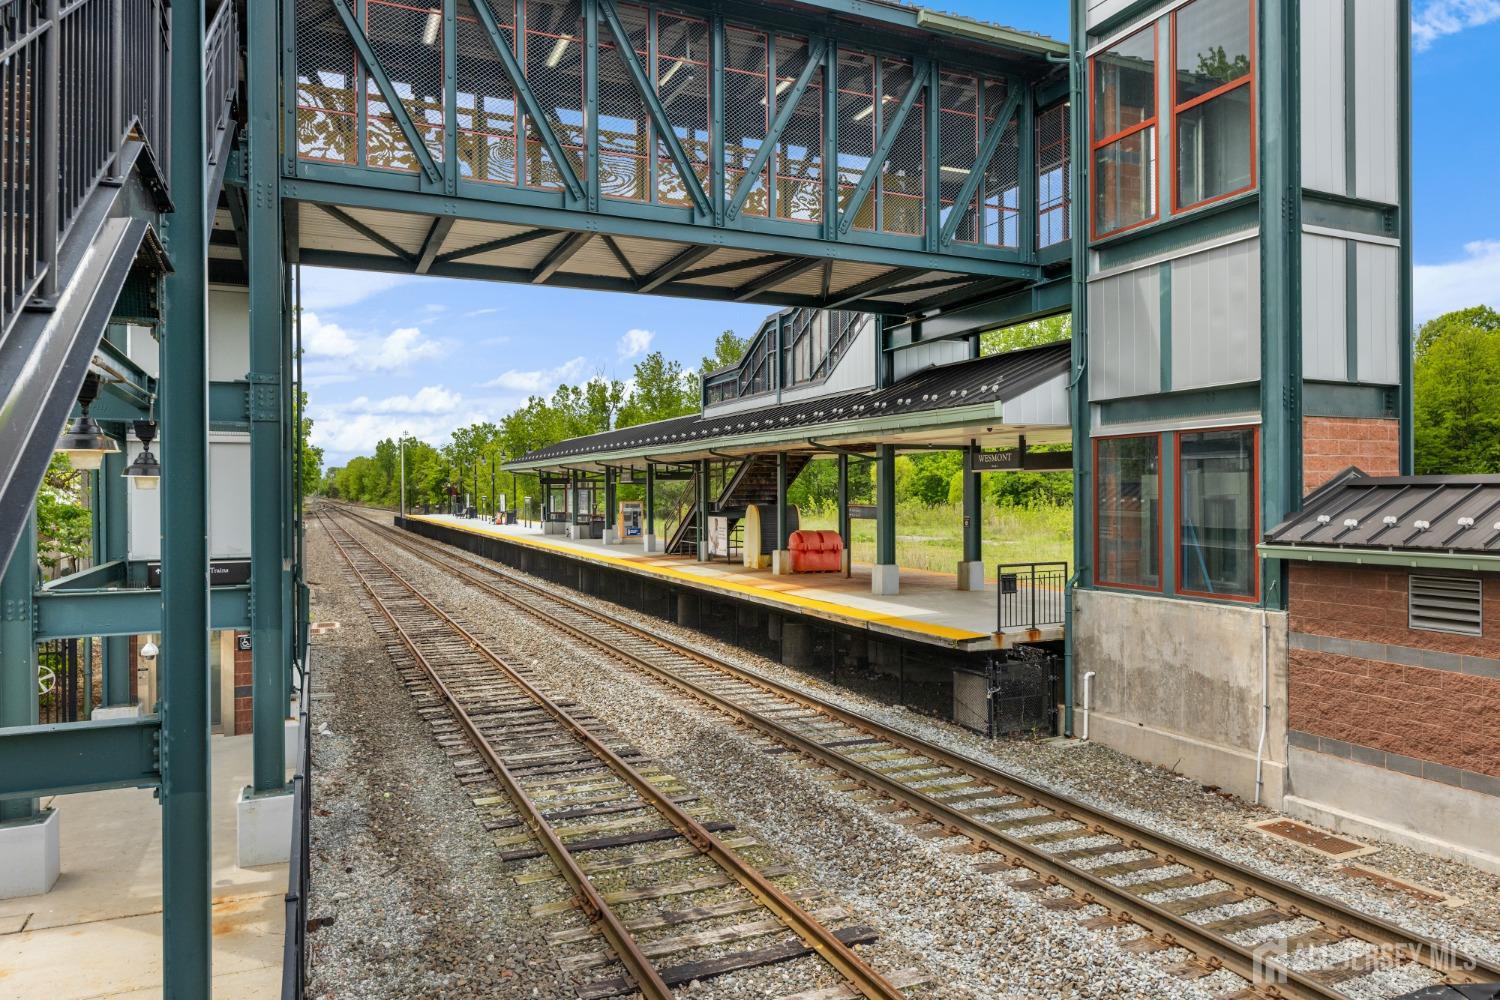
(577, 788)
(1225, 914)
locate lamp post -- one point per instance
(494, 500)
(403, 476)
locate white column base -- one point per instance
(703, 552)
(846, 565)
(885, 581)
(649, 544)
(781, 562)
(116, 712)
(971, 575)
(29, 856)
(264, 829)
(292, 742)
(609, 536)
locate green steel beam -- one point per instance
(672, 268)
(1078, 397)
(559, 255)
(387, 90)
(78, 757)
(890, 131)
(441, 227)
(987, 147)
(1407, 298)
(343, 218)
(885, 505)
(1047, 299)
(65, 614)
(18, 665)
(665, 132)
(782, 536)
(229, 405)
(269, 639)
(973, 521)
(774, 277)
(114, 549)
(1468, 562)
(784, 115)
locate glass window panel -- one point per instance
(1216, 512)
(1129, 511)
(1125, 84)
(1213, 147)
(1125, 182)
(1213, 46)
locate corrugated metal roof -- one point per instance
(1423, 514)
(994, 379)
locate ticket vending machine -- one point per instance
(632, 519)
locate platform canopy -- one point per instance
(994, 401)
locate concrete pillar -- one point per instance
(971, 567)
(885, 576)
(687, 610)
(703, 510)
(611, 525)
(28, 836)
(797, 644)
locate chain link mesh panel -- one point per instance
(486, 99)
(903, 176)
(798, 159)
(327, 112)
(682, 67)
(624, 122)
(408, 43)
(554, 71)
(1054, 194)
(856, 130)
(746, 120)
(958, 149)
(1000, 189)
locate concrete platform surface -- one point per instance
(98, 932)
(928, 608)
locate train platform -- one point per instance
(98, 932)
(928, 610)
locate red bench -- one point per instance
(816, 552)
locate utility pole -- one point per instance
(403, 476)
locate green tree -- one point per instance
(1037, 332)
(661, 390)
(728, 348)
(1456, 382)
(64, 525)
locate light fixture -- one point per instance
(430, 29)
(672, 71)
(955, 171)
(145, 471)
(85, 443)
(864, 112)
(555, 56)
(149, 650)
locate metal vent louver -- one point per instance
(1446, 604)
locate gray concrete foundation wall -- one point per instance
(1178, 683)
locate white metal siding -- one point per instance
(228, 334)
(1375, 101)
(1125, 334)
(1325, 329)
(1100, 10)
(1377, 326)
(228, 502)
(938, 352)
(1323, 96)
(855, 368)
(1043, 404)
(1216, 316)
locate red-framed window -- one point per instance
(1217, 475)
(1123, 139)
(1213, 101)
(1128, 511)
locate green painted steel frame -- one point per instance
(78, 612)
(79, 757)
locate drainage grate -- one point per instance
(1312, 838)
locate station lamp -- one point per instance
(84, 442)
(145, 471)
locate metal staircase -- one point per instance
(753, 482)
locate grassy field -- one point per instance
(929, 537)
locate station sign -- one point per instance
(221, 573)
(1021, 459)
(862, 511)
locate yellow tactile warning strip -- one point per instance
(844, 612)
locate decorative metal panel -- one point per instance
(327, 115)
(856, 129)
(624, 122)
(682, 62)
(746, 118)
(1001, 189)
(408, 42)
(487, 147)
(798, 161)
(1376, 101)
(554, 71)
(903, 176)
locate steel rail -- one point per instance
(840, 956)
(1288, 898)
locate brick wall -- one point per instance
(244, 713)
(1332, 444)
(135, 663)
(1442, 714)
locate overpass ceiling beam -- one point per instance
(441, 227)
(734, 265)
(368, 232)
(921, 77)
(815, 60)
(874, 286)
(527, 98)
(664, 129)
(559, 255)
(387, 91)
(987, 149)
(503, 243)
(771, 279)
(619, 255)
(674, 267)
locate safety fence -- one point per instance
(1032, 595)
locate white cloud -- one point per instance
(325, 340)
(397, 350)
(1472, 280)
(476, 313)
(635, 343)
(1449, 17)
(428, 399)
(539, 381)
(351, 428)
(335, 288)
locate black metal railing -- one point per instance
(63, 679)
(221, 70)
(299, 861)
(146, 42)
(1032, 595)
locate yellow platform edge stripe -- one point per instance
(844, 611)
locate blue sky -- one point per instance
(425, 355)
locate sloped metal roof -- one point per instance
(993, 379)
(1420, 514)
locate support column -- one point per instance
(843, 513)
(114, 523)
(611, 528)
(183, 663)
(703, 510)
(971, 567)
(885, 577)
(781, 558)
(649, 528)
